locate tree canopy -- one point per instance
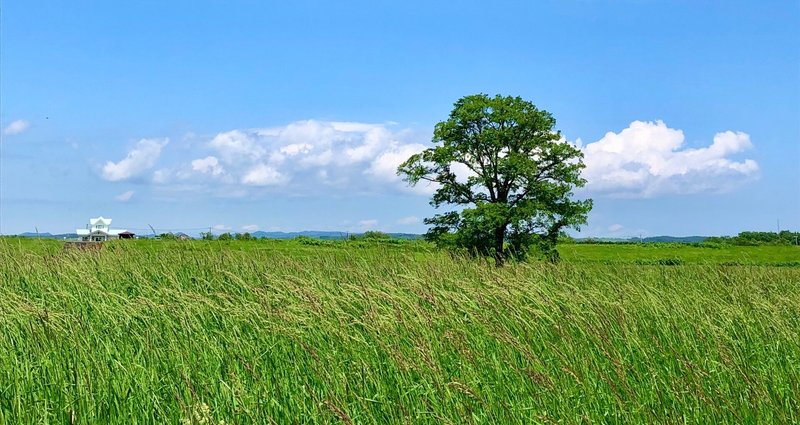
(507, 171)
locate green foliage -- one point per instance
(271, 331)
(207, 236)
(225, 237)
(785, 237)
(246, 236)
(373, 234)
(306, 240)
(522, 174)
(167, 236)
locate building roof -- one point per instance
(105, 229)
(100, 220)
(109, 232)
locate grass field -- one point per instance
(281, 332)
(646, 253)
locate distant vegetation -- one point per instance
(758, 238)
(749, 238)
(742, 239)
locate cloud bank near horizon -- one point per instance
(646, 159)
(301, 158)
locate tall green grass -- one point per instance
(192, 332)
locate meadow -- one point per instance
(209, 332)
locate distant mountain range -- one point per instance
(48, 235)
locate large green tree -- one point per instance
(520, 175)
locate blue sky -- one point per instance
(291, 116)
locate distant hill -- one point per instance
(35, 235)
(47, 235)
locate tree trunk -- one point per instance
(499, 238)
(551, 240)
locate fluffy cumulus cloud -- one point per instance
(16, 127)
(615, 228)
(250, 227)
(346, 158)
(263, 175)
(138, 160)
(304, 157)
(208, 165)
(649, 159)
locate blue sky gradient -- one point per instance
(263, 89)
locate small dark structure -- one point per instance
(126, 235)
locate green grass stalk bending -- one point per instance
(207, 332)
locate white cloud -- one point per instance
(300, 158)
(296, 148)
(649, 159)
(250, 227)
(16, 127)
(221, 228)
(142, 157)
(124, 197)
(208, 165)
(236, 145)
(263, 175)
(384, 166)
(327, 157)
(615, 227)
(408, 220)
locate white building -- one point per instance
(98, 230)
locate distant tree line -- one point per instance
(370, 235)
(785, 237)
(246, 236)
(742, 239)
